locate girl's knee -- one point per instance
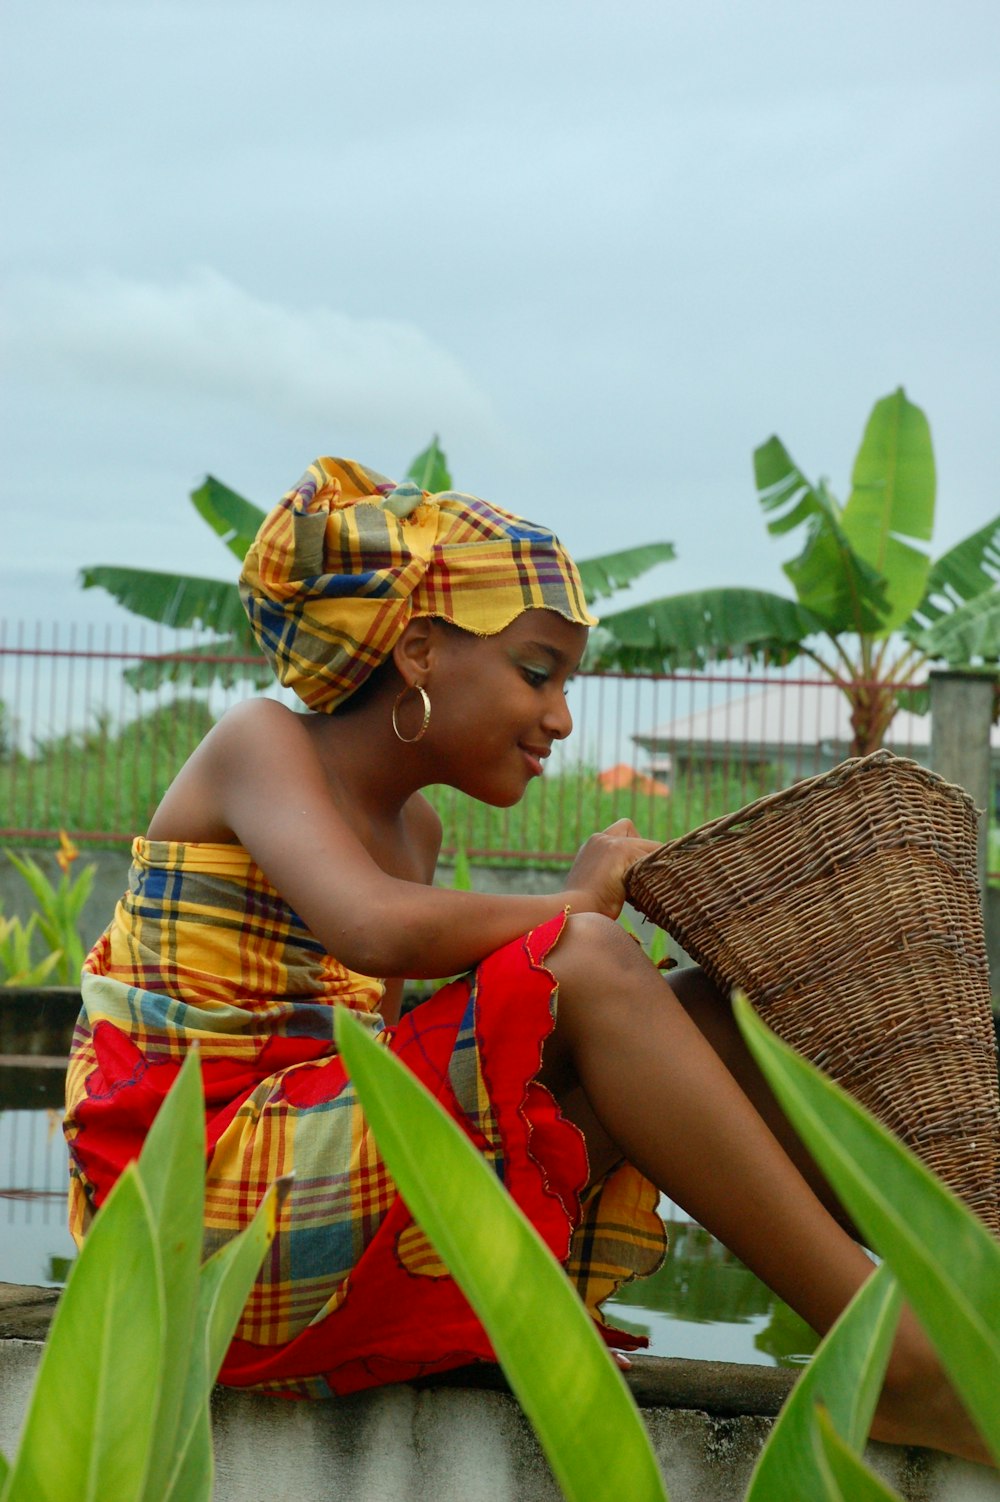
(592, 947)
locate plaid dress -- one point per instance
(351, 1293)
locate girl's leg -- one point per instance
(665, 1101)
(712, 1014)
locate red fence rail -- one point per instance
(86, 747)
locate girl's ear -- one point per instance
(414, 651)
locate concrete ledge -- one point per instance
(459, 1440)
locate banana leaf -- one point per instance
(829, 578)
(691, 629)
(197, 666)
(231, 517)
(969, 634)
(170, 599)
(961, 574)
(608, 572)
(430, 468)
(891, 505)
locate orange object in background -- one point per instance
(625, 778)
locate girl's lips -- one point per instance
(534, 760)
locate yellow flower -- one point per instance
(67, 852)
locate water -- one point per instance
(703, 1303)
(35, 1244)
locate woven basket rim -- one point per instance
(843, 772)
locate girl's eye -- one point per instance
(535, 676)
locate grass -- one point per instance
(560, 810)
(103, 784)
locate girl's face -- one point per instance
(499, 702)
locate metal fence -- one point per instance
(89, 739)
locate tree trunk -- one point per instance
(872, 708)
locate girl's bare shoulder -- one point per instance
(247, 744)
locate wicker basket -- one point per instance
(847, 908)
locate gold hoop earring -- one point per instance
(410, 740)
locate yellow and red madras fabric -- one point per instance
(347, 558)
(351, 1294)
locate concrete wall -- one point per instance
(407, 1444)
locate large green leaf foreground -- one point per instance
(556, 1363)
(119, 1410)
(946, 1262)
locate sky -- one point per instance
(603, 250)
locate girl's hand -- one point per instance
(597, 876)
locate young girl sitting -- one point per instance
(288, 869)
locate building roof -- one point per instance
(624, 776)
(786, 715)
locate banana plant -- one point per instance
(871, 609)
(190, 601)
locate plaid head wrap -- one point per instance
(347, 558)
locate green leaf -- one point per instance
(4, 1470)
(845, 1477)
(914, 700)
(223, 1287)
(462, 879)
(231, 517)
(172, 1170)
(828, 576)
(546, 1342)
(198, 666)
(693, 628)
(193, 1476)
(171, 599)
(430, 468)
(603, 575)
(968, 569)
(891, 505)
(228, 1275)
(89, 1426)
(846, 1375)
(970, 633)
(947, 1263)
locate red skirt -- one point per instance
(351, 1294)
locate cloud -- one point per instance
(203, 336)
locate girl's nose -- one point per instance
(557, 720)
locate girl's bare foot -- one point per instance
(919, 1406)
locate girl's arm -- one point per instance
(269, 787)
